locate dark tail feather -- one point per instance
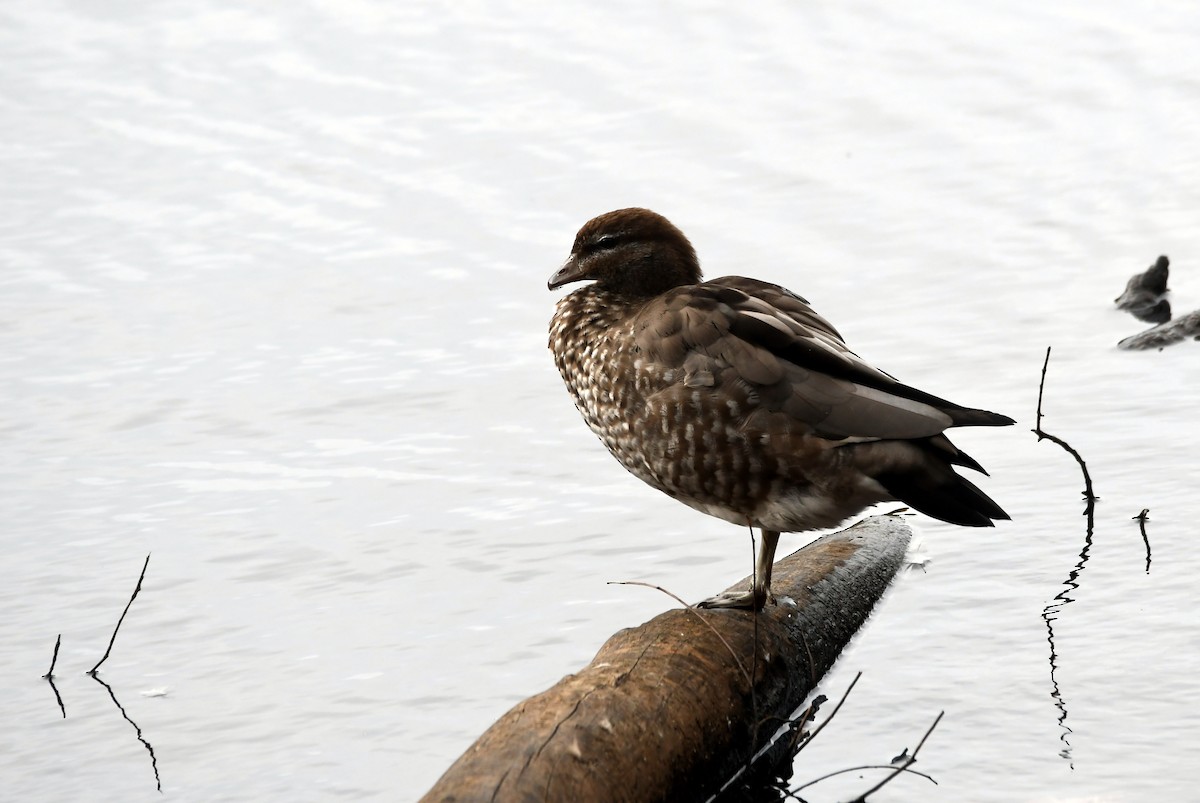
(950, 498)
(941, 445)
(967, 417)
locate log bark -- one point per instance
(666, 711)
(1163, 335)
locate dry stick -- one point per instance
(832, 714)
(696, 613)
(1142, 518)
(112, 640)
(728, 647)
(902, 767)
(49, 676)
(782, 752)
(796, 745)
(54, 658)
(796, 726)
(754, 657)
(868, 767)
(1087, 478)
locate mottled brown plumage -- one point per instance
(736, 398)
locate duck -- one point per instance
(734, 397)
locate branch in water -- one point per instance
(112, 640)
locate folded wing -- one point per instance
(739, 330)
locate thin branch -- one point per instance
(54, 658)
(867, 767)
(772, 758)
(796, 725)
(832, 714)
(1041, 389)
(901, 767)
(695, 613)
(1088, 493)
(1142, 518)
(49, 676)
(112, 640)
(754, 653)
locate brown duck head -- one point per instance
(632, 252)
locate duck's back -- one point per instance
(738, 399)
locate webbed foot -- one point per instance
(742, 600)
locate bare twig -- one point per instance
(695, 613)
(1141, 519)
(903, 766)
(832, 714)
(112, 640)
(796, 725)
(49, 676)
(866, 767)
(1088, 493)
(754, 653)
(776, 758)
(54, 658)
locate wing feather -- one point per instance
(739, 330)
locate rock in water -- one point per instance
(734, 397)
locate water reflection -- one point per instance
(93, 673)
(1063, 597)
(1050, 615)
(149, 749)
(49, 676)
(257, 262)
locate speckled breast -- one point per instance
(684, 439)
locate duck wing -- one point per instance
(736, 333)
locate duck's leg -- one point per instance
(760, 593)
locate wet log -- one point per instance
(666, 710)
(1167, 334)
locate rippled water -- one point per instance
(273, 311)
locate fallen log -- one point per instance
(666, 711)
(1163, 335)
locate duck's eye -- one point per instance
(606, 241)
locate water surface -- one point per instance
(273, 299)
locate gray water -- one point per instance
(274, 311)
